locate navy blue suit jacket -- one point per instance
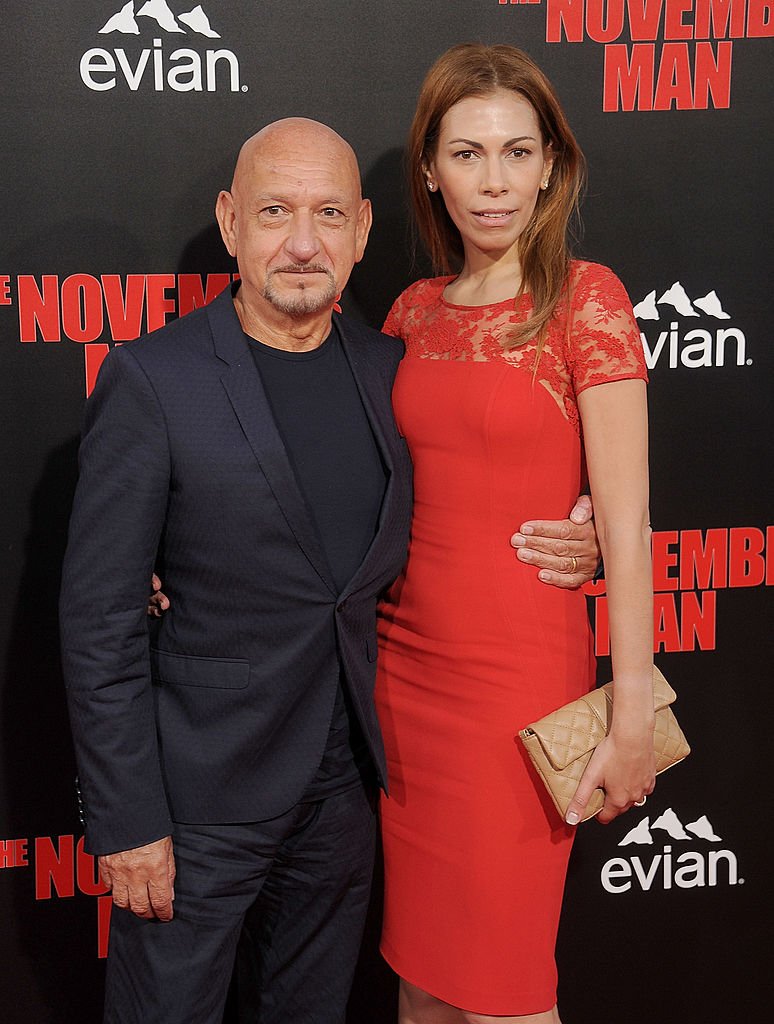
(222, 713)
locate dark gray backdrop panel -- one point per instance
(123, 182)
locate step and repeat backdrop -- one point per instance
(121, 122)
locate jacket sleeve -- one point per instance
(116, 523)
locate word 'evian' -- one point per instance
(695, 348)
(183, 70)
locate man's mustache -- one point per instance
(302, 268)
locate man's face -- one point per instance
(294, 219)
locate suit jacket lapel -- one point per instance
(378, 407)
(248, 399)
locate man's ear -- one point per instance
(362, 228)
(226, 217)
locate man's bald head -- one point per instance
(291, 135)
(296, 221)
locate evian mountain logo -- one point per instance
(711, 345)
(671, 868)
(183, 70)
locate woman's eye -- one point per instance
(464, 154)
(519, 153)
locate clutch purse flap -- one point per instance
(574, 730)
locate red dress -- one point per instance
(473, 647)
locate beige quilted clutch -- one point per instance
(561, 744)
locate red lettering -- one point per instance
(698, 614)
(760, 22)
(673, 19)
(52, 866)
(644, 16)
(666, 634)
(746, 565)
(664, 560)
(87, 874)
(564, 15)
(5, 290)
(727, 17)
(36, 311)
(626, 81)
(703, 564)
(93, 357)
(191, 295)
(158, 304)
(601, 627)
(82, 318)
(713, 76)
(13, 853)
(769, 561)
(604, 29)
(104, 910)
(674, 78)
(124, 310)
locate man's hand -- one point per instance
(566, 551)
(142, 880)
(158, 602)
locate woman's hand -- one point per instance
(625, 768)
(157, 601)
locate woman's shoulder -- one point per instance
(413, 301)
(425, 289)
(596, 286)
(590, 274)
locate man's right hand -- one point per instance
(142, 880)
(158, 602)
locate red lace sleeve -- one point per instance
(605, 343)
(394, 324)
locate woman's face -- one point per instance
(489, 164)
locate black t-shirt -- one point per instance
(320, 417)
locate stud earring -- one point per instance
(431, 185)
(544, 184)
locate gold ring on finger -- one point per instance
(574, 561)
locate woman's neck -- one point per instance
(485, 278)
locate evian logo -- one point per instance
(710, 345)
(670, 868)
(183, 70)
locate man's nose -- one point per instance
(303, 242)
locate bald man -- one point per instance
(248, 451)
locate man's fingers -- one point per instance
(563, 580)
(556, 561)
(161, 901)
(142, 878)
(583, 510)
(560, 529)
(564, 571)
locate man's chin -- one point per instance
(301, 302)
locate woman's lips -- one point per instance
(494, 216)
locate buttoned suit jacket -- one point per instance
(220, 712)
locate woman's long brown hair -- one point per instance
(472, 69)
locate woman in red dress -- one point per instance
(521, 371)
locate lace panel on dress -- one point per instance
(593, 337)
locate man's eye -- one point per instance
(331, 213)
(272, 211)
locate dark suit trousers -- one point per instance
(307, 876)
